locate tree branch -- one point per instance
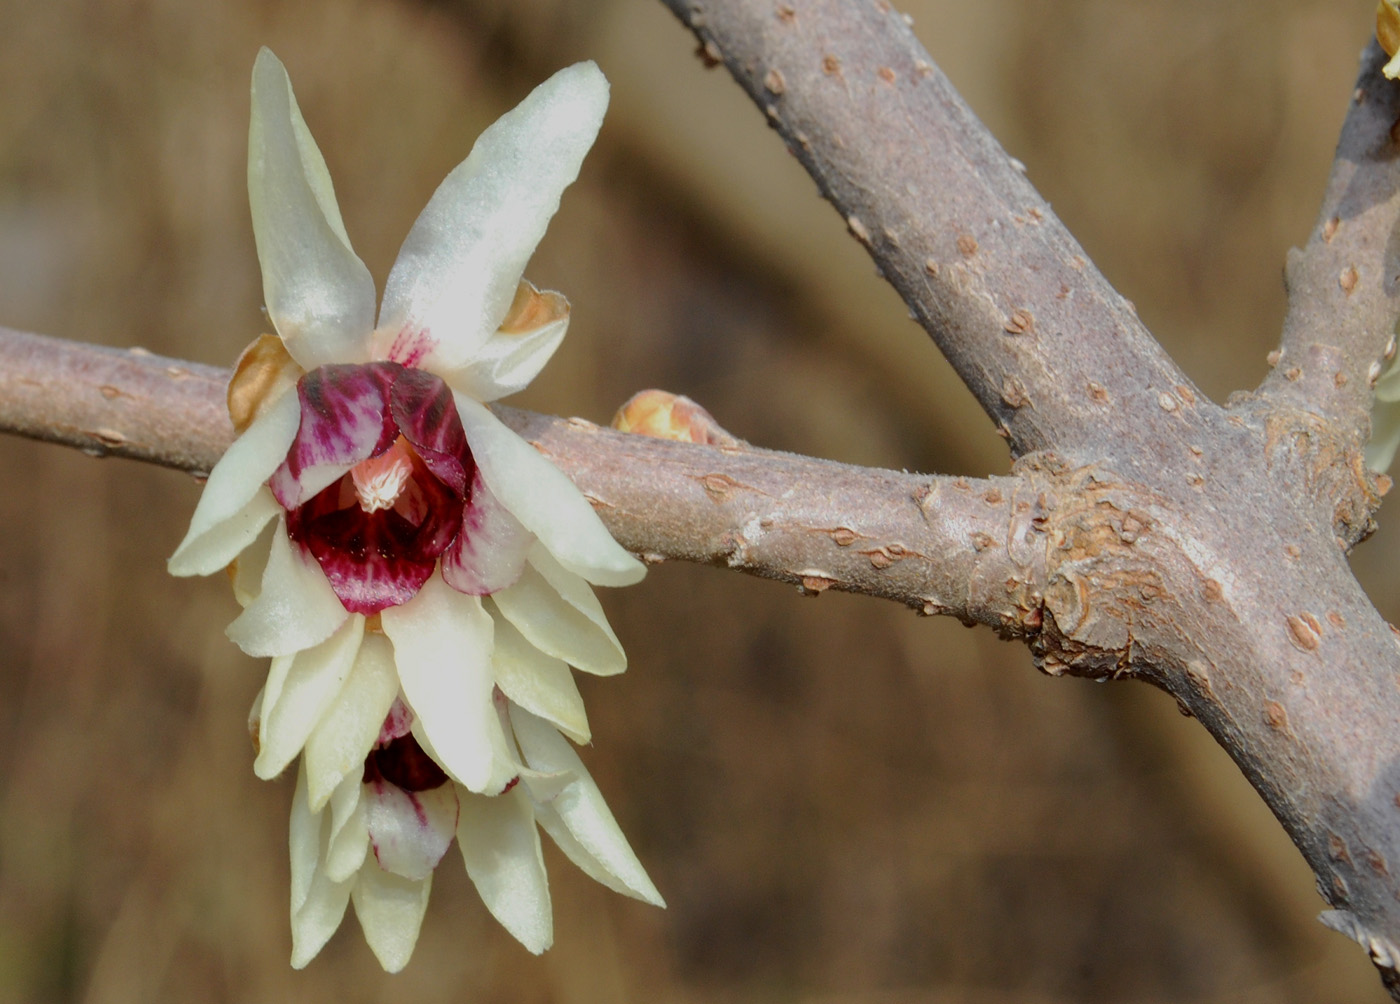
(939, 545)
(1200, 549)
(1009, 296)
(1342, 285)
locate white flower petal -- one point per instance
(458, 270)
(231, 495)
(350, 727)
(500, 845)
(295, 608)
(581, 809)
(304, 843)
(545, 787)
(250, 565)
(348, 838)
(490, 549)
(442, 648)
(410, 831)
(391, 911)
(317, 903)
(225, 542)
(319, 294)
(539, 683)
(542, 497)
(307, 683)
(507, 361)
(558, 614)
(553, 824)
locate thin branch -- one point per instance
(1010, 297)
(938, 545)
(1342, 287)
(117, 402)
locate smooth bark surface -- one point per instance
(1144, 530)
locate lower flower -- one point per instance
(377, 838)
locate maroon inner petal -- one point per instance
(426, 415)
(380, 559)
(345, 418)
(403, 763)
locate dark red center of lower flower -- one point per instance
(378, 530)
(403, 763)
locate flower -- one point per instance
(419, 574)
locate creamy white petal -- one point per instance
(581, 809)
(500, 845)
(390, 909)
(304, 843)
(248, 569)
(410, 831)
(542, 497)
(541, 684)
(319, 294)
(296, 607)
(234, 485)
(348, 730)
(317, 903)
(225, 542)
(543, 787)
(457, 272)
(442, 648)
(550, 821)
(566, 625)
(347, 843)
(507, 361)
(310, 681)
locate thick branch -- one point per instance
(1342, 287)
(938, 545)
(1030, 325)
(1199, 549)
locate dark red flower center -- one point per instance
(377, 531)
(403, 763)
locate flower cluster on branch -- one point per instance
(419, 575)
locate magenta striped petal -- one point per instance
(376, 479)
(410, 831)
(345, 418)
(421, 406)
(489, 552)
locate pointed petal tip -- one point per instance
(587, 79)
(650, 895)
(268, 69)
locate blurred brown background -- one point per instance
(840, 801)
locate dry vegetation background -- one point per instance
(841, 801)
